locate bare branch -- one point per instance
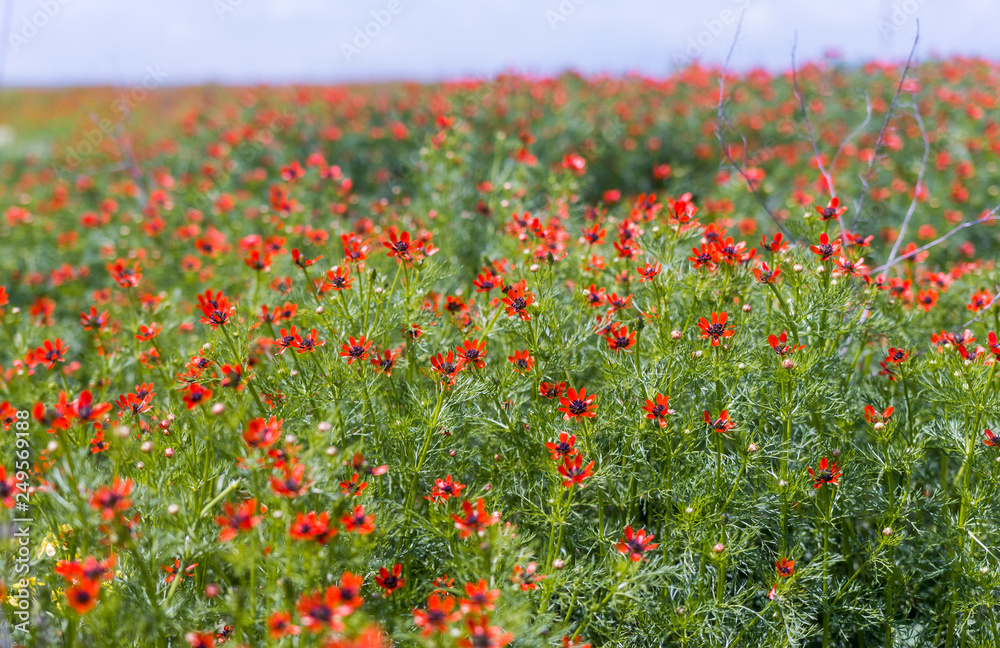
(985, 218)
(982, 311)
(721, 119)
(885, 124)
(916, 189)
(805, 114)
(855, 132)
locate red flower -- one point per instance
(358, 522)
(112, 499)
(51, 352)
(522, 361)
(635, 544)
(785, 567)
(9, 488)
(896, 355)
(717, 329)
(826, 249)
(444, 489)
(831, 211)
(658, 410)
(352, 486)
(311, 342)
(765, 274)
(780, 344)
(706, 257)
(216, 310)
(722, 424)
(480, 634)
(385, 362)
(289, 338)
(147, 333)
(776, 244)
(595, 296)
(472, 352)
(991, 340)
(518, 300)
(82, 595)
(619, 338)
(293, 482)
(992, 440)
(574, 472)
(475, 519)
(980, 300)
(552, 390)
(648, 272)
(195, 395)
(525, 577)
(237, 519)
(480, 598)
(390, 581)
(86, 410)
(439, 613)
(827, 473)
(564, 447)
(302, 261)
(847, 268)
(338, 278)
(261, 434)
(280, 625)
(355, 349)
(873, 416)
(125, 276)
(310, 526)
(578, 404)
(447, 366)
(319, 611)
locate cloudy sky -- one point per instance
(58, 42)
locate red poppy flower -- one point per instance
(522, 361)
(338, 278)
(355, 349)
(352, 486)
(833, 210)
(717, 329)
(706, 257)
(577, 404)
(574, 472)
(619, 338)
(873, 416)
(200, 639)
(980, 300)
(124, 275)
(826, 250)
(896, 355)
(82, 595)
(236, 519)
(302, 261)
(444, 489)
(775, 245)
(765, 275)
(390, 581)
(992, 440)
(635, 544)
(402, 247)
(175, 572)
(827, 473)
(293, 482)
(447, 366)
(480, 634)
(358, 522)
(195, 395)
(785, 567)
(927, 299)
(552, 390)
(310, 526)
(658, 410)
(780, 344)
(318, 611)
(439, 614)
(594, 235)
(472, 352)
(847, 268)
(722, 424)
(280, 625)
(216, 309)
(113, 499)
(86, 410)
(648, 272)
(9, 488)
(51, 352)
(311, 342)
(288, 338)
(564, 447)
(474, 518)
(525, 577)
(92, 320)
(595, 296)
(487, 280)
(479, 598)
(518, 300)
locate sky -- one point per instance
(180, 42)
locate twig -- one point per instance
(916, 190)
(721, 119)
(987, 217)
(885, 124)
(982, 311)
(857, 131)
(805, 114)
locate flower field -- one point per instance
(524, 361)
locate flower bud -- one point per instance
(558, 563)
(747, 308)
(797, 267)
(211, 590)
(320, 310)
(324, 426)
(675, 335)
(173, 509)
(147, 446)
(788, 363)
(879, 426)
(820, 269)
(169, 452)
(887, 531)
(218, 409)
(752, 447)
(140, 465)
(452, 453)
(719, 548)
